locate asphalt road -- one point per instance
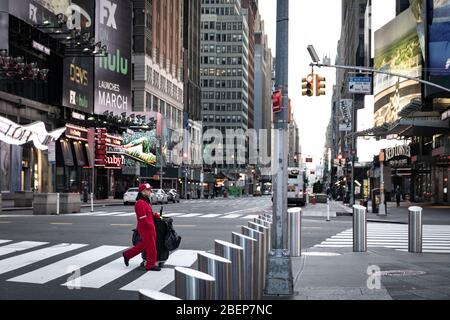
(43, 251)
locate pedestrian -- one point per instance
(146, 229)
(199, 193)
(398, 195)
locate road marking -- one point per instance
(103, 275)
(168, 215)
(126, 214)
(231, 216)
(26, 259)
(191, 215)
(61, 268)
(182, 258)
(61, 223)
(211, 216)
(5, 222)
(108, 214)
(20, 246)
(152, 281)
(251, 217)
(4, 241)
(122, 225)
(245, 210)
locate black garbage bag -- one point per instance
(172, 239)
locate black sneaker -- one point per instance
(157, 269)
(125, 260)
(142, 264)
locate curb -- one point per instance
(386, 221)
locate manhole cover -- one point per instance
(320, 254)
(401, 273)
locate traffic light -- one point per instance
(277, 101)
(320, 84)
(308, 85)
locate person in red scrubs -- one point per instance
(146, 229)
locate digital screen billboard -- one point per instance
(112, 87)
(438, 46)
(397, 50)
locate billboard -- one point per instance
(112, 87)
(438, 46)
(397, 50)
(78, 75)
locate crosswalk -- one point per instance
(436, 238)
(242, 216)
(30, 262)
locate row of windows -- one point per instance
(221, 49)
(211, 25)
(172, 114)
(221, 37)
(234, 84)
(222, 95)
(160, 82)
(222, 119)
(220, 72)
(220, 11)
(222, 107)
(229, 61)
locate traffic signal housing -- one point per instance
(308, 85)
(320, 86)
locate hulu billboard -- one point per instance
(112, 87)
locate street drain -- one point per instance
(402, 273)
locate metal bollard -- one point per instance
(267, 244)
(219, 268)
(359, 229)
(249, 246)
(193, 285)
(265, 218)
(155, 295)
(295, 232)
(57, 204)
(92, 202)
(235, 254)
(268, 225)
(259, 262)
(415, 230)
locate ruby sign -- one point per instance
(114, 162)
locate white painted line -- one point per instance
(168, 215)
(4, 241)
(26, 259)
(191, 215)
(251, 217)
(182, 258)
(61, 268)
(208, 216)
(130, 214)
(108, 214)
(152, 281)
(20, 246)
(104, 275)
(232, 216)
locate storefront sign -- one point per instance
(114, 162)
(41, 48)
(76, 133)
(13, 133)
(399, 151)
(100, 147)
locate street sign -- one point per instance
(362, 85)
(346, 108)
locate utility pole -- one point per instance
(279, 280)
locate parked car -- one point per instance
(130, 196)
(173, 195)
(161, 196)
(153, 198)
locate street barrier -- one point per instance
(193, 285)
(155, 295)
(23, 199)
(268, 225)
(267, 244)
(415, 230)
(235, 254)
(45, 203)
(220, 269)
(259, 259)
(295, 232)
(359, 229)
(265, 218)
(249, 246)
(92, 202)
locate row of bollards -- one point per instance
(415, 227)
(236, 270)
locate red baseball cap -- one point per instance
(145, 186)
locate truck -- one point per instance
(296, 187)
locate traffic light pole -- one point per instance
(279, 279)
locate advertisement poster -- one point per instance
(112, 87)
(439, 46)
(78, 76)
(397, 50)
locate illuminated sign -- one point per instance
(13, 133)
(398, 151)
(76, 133)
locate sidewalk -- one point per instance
(320, 210)
(344, 276)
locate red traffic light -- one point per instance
(277, 101)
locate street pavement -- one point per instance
(79, 256)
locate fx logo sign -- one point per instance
(33, 13)
(73, 97)
(108, 12)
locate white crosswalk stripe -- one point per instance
(174, 215)
(436, 239)
(231, 216)
(103, 274)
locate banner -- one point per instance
(13, 133)
(113, 26)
